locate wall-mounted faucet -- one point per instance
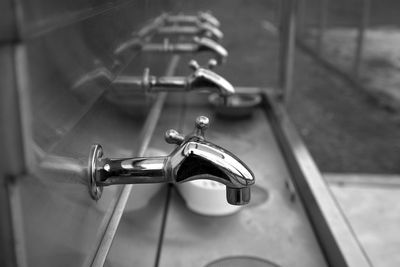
(193, 158)
(200, 79)
(204, 24)
(198, 44)
(201, 17)
(202, 29)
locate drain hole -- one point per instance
(242, 261)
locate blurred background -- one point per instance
(345, 96)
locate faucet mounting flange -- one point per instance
(96, 152)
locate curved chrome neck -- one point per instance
(207, 79)
(206, 44)
(218, 162)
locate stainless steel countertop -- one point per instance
(276, 230)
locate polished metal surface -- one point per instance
(201, 79)
(95, 191)
(193, 158)
(201, 240)
(273, 228)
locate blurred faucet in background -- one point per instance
(200, 30)
(198, 44)
(200, 79)
(201, 17)
(203, 30)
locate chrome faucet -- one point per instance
(201, 17)
(200, 79)
(200, 29)
(198, 44)
(193, 158)
(204, 24)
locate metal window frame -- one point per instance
(334, 233)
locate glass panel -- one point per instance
(66, 64)
(347, 85)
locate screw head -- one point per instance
(202, 122)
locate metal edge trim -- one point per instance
(364, 180)
(105, 243)
(334, 233)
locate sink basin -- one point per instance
(236, 106)
(242, 261)
(206, 197)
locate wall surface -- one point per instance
(58, 60)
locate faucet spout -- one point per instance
(238, 196)
(199, 159)
(207, 79)
(206, 44)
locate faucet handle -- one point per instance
(201, 125)
(194, 65)
(174, 137)
(212, 63)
